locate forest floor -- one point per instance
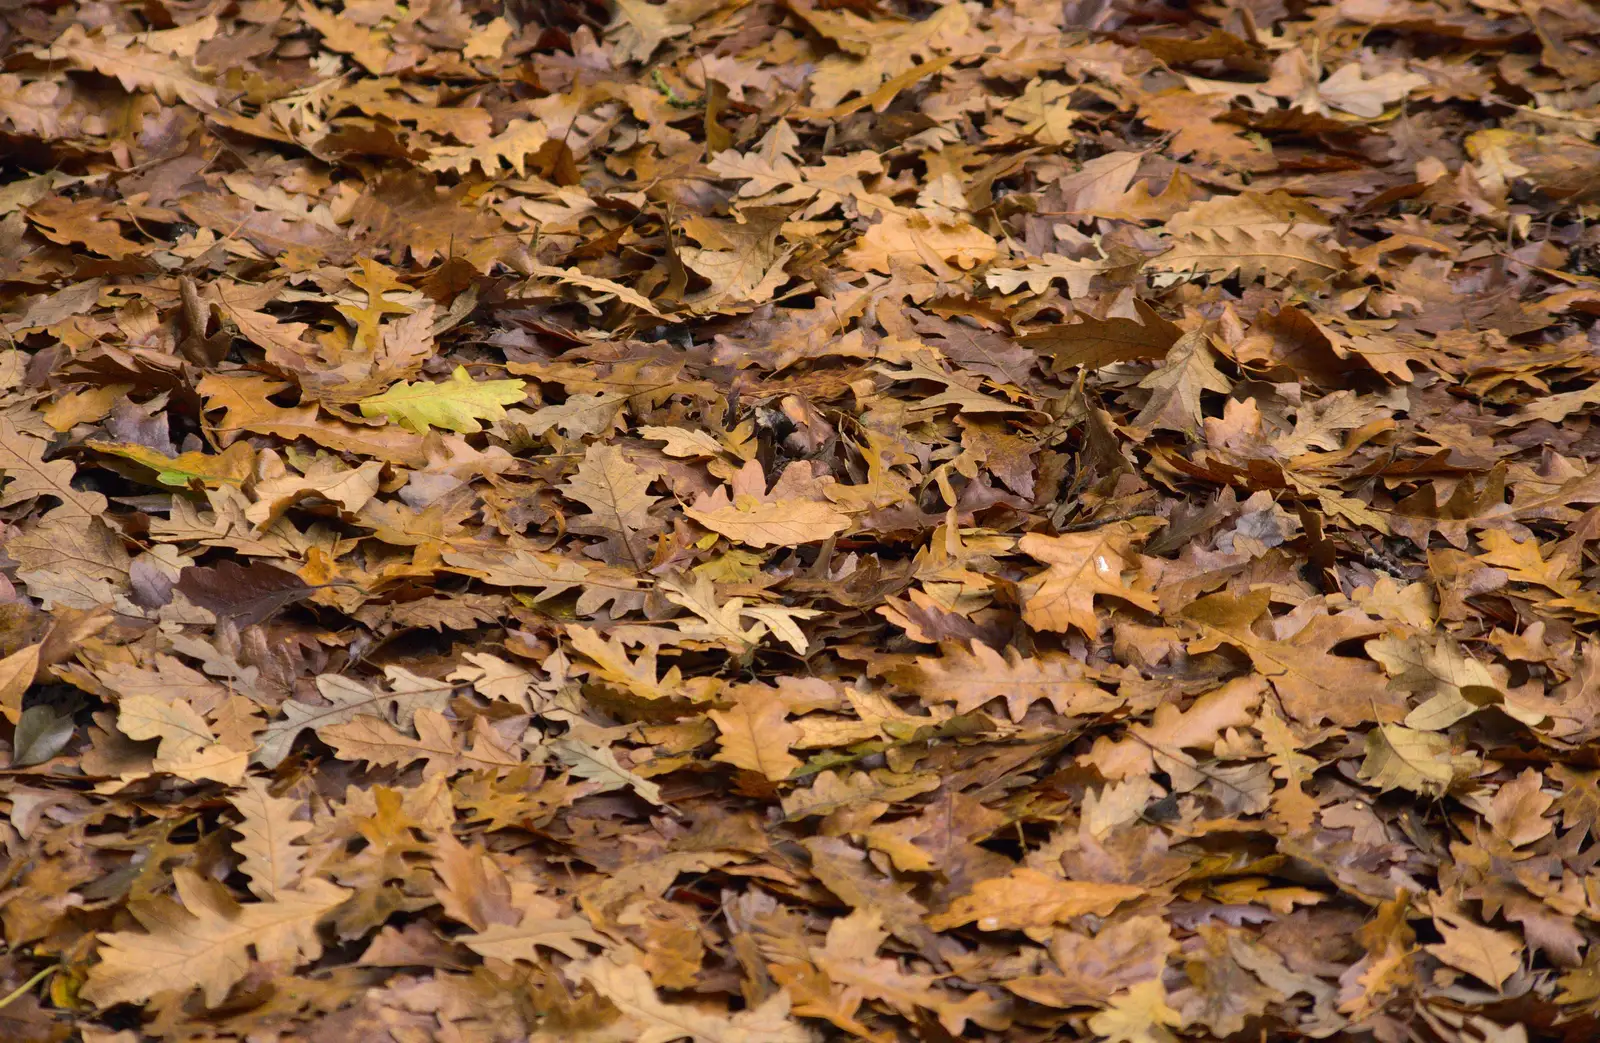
(764, 521)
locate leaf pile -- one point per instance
(776, 521)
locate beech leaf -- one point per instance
(248, 594)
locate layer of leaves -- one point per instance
(770, 522)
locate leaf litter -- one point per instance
(789, 521)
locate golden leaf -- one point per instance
(1028, 900)
(756, 734)
(205, 943)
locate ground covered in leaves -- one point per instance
(788, 520)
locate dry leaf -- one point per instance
(755, 734)
(205, 944)
(981, 521)
(1029, 900)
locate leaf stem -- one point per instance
(27, 986)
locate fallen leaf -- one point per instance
(755, 734)
(1082, 566)
(205, 944)
(1028, 900)
(457, 404)
(248, 594)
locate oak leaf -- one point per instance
(1037, 275)
(766, 523)
(935, 240)
(640, 28)
(495, 678)
(845, 870)
(577, 277)
(244, 398)
(579, 415)
(268, 825)
(872, 52)
(457, 404)
(278, 488)
(134, 66)
(232, 466)
(28, 475)
(1176, 384)
(723, 623)
(831, 792)
(617, 495)
(849, 960)
(1350, 90)
(1517, 810)
(1161, 743)
(973, 678)
(1403, 758)
(1579, 803)
(189, 748)
(376, 741)
(369, 46)
(1093, 343)
(17, 672)
(348, 700)
(511, 148)
(537, 929)
(637, 676)
(1098, 184)
(63, 221)
(1455, 684)
(1083, 565)
(756, 734)
(1490, 956)
(1292, 803)
(1314, 684)
(1221, 253)
(629, 989)
(1140, 1015)
(743, 262)
(1028, 900)
(1121, 954)
(205, 943)
(599, 764)
(551, 575)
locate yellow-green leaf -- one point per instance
(229, 467)
(457, 404)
